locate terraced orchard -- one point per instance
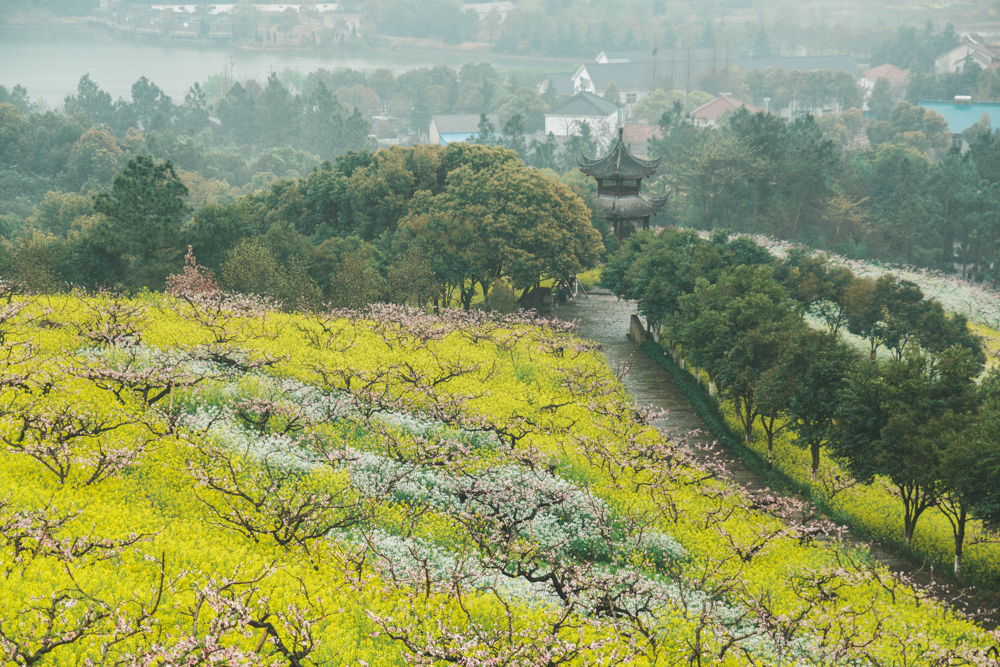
(203, 480)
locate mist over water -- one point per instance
(49, 61)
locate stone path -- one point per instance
(605, 320)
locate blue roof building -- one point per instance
(449, 128)
(962, 114)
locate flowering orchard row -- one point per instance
(201, 480)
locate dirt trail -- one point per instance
(605, 320)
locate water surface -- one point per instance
(49, 61)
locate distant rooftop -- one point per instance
(584, 104)
(462, 123)
(710, 111)
(962, 115)
(895, 75)
(559, 82)
(802, 64)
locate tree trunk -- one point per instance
(697, 376)
(814, 449)
(915, 501)
(959, 542)
(768, 425)
(746, 412)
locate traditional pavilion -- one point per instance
(619, 177)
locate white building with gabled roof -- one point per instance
(566, 117)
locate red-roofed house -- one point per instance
(709, 112)
(896, 76)
(637, 137)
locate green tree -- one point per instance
(513, 223)
(238, 116)
(140, 232)
(92, 102)
(278, 114)
(250, 268)
(57, 213)
(807, 382)
(883, 99)
(13, 137)
(95, 157)
(151, 108)
(889, 423)
(356, 280)
(736, 329)
(487, 133)
(970, 466)
(513, 133)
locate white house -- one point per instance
(484, 9)
(561, 83)
(566, 117)
(970, 50)
(634, 80)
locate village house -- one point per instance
(636, 138)
(707, 115)
(484, 9)
(601, 115)
(678, 66)
(560, 83)
(897, 77)
(633, 81)
(448, 128)
(971, 50)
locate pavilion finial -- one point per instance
(621, 132)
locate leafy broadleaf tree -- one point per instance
(807, 383)
(889, 423)
(736, 329)
(970, 466)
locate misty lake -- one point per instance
(49, 61)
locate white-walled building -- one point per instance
(970, 50)
(566, 117)
(484, 9)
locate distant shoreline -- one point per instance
(400, 44)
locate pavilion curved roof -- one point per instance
(618, 163)
(629, 206)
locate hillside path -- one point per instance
(605, 320)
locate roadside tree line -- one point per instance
(903, 398)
